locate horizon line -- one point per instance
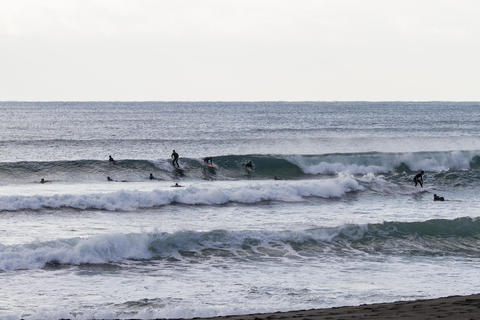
(241, 101)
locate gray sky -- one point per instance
(239, 50)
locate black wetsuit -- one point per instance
(418, 179)
(175, 159)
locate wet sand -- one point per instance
(454, 307)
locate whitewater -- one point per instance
(328, 216)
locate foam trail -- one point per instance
(193, 195)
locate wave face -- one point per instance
(231, 167)
(458, 237)
(288, 191)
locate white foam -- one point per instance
(98, 249)
(119, 247)
(384, 162)
(200, 193)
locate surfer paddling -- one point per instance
(418, 179)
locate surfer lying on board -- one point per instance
(176, 185)
(438, 198)
(175, 159)
(418, 179)
(43, 180)
(208, 160)
(110, 179)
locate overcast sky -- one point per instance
(239, 50)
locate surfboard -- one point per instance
(211, 166)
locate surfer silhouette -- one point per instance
(176, 185)
(151, 177)
(249, 165)
(438, 198)
(110, 159)
(208, 160)
(175, 159)
(418, 179)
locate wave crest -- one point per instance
(460, 236)
(231, 166)
(194, 195)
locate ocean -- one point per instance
(328, 216)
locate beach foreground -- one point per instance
(454, 307)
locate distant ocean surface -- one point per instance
(328, 216)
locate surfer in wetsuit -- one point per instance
(110, 179)
(110, 159)
(249, 165)
(175, 159)
(438, 198)
(208, 160)
(151, 177)
(176, 185)
(418, 179)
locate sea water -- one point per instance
(328, 216)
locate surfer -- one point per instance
(176, 185)
(418, 179)
(110, 179)
(43, 180)
(110, 159)
(438, 198)
(208, 160)
(151, 177)
(249, 165)
(175, 159)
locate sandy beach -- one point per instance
(454, 307)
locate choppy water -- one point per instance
(328, 216)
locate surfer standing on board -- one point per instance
(175, 159)
(249, 165)
(418, 179)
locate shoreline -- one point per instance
(451, 307)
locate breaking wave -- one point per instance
(231, 167)
(456, 237)
(254, 192)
